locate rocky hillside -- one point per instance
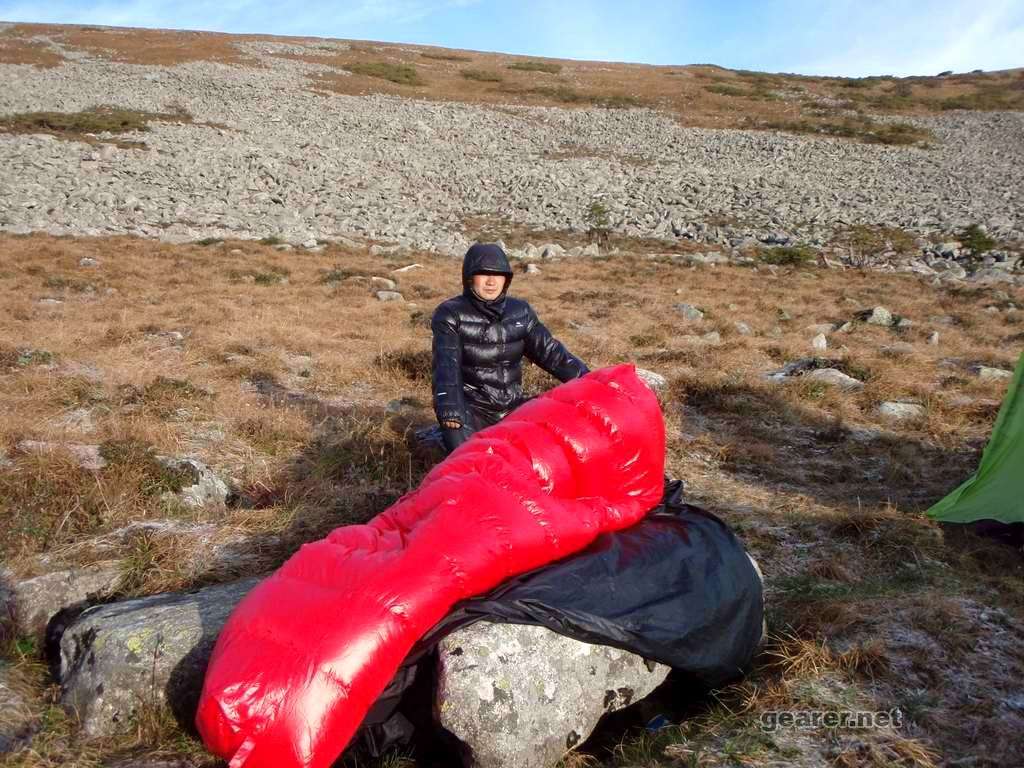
(185, 136)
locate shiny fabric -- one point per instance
(305, 655)
(478, 347)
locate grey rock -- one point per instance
(87, 456)
(407, 268)
(689, 312)
(390, 296)
(742, 328)
(86, 261)
(834, 377)
(877, 316)
(31, 603)
(532, 269)
(206, 488)
(933, 339)
(154, 650)
(552, 251)
(591, 250)
(522, 695)
(986, 373)
(900, 411)
(655, 381)
(712, 338)
(819, 343)
(382, 284)
(899, 349)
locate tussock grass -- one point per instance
(402, 74)
(482, 75)
(445, 56)
(80, 125)
(547, 67)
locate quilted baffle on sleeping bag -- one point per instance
(304, 656)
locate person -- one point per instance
(479, 341)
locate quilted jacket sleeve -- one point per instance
(550, 354)
(446, 367)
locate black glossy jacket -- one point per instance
(479, 345)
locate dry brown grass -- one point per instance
(143, 46)
(18, 51)
(282, 385)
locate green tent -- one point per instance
(996, 490)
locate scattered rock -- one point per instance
(933, 339)
(390, 296)
(154, 649)
(901, 411)
(877, 316)
(33, 602)
(522, 695)
(742, 328)
(87, 261)
(76, 420)
(834, 377)
(408, 268)
(88, 456)
(532, 269)
(712, 338)
(655, 381)
(899, 349)
(819, 343)
(985, 373)
(205, 488)
(382, 284)
(688, 311)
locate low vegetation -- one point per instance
(88, 124)
(402, 74)
(285, 388)
(536, 66)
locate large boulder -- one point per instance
(31, 603)
(117, 660)
(522, 696)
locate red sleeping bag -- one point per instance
(304, 656)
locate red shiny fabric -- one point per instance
(304, 656)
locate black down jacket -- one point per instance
(479, 345)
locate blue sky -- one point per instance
(834, 37)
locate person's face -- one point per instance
(488, 287)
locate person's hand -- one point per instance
(451, 423)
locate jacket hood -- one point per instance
(486, 257)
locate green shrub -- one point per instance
(723, 89)
(482, 75)
(94, 120)
(403, 74)
(787, 255)
(975, 239)
(536, 66)
(446, 57)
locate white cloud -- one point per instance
(920, 39)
